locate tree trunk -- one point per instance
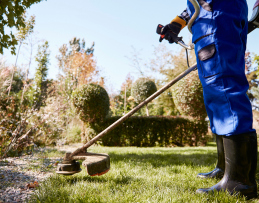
(147, 111)
(125, 100)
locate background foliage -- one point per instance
(12, 16)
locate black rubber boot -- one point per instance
(218, 172)
(241, 162)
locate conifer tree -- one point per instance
(40, 80)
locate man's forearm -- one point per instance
(185, 16)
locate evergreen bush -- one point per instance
(142, 89)
(91, 102)
(188, 96)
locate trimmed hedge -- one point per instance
(154, 131)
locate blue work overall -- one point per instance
(220, 34)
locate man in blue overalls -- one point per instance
(219, 35)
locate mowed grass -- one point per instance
(140, 175)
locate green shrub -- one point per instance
(155, 130)
(10, 118)
(142, 89)
(91, 102)
(188, 97)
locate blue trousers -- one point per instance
(220, 34)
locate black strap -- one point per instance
(202, 38)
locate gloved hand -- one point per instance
(166, 33)
(170, 31)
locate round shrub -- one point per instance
(188, 96)
(91, 102)
(142, 89)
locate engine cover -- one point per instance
(254, 21)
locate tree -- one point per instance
(6, 74)
(142, 89)
(164, 105)
(22, 34)
(40, 81)
(77, 63)
(168, 65)
(251, 75)
(123, 102)
(12, 15)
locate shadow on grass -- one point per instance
(121, 179)
(163, 160)
(170, 159)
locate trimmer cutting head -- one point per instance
(68, 168)
(96, 164)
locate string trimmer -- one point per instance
(98, 164)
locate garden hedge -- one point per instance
(155, 131)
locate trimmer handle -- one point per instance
(159, 30)
(167, 35)
(177, 40)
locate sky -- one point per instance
(115, 26)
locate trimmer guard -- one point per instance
(97, 164)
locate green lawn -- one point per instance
(140, 175)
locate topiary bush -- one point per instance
(188, 96)
(92, 103)
(142, 89)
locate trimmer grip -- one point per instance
(159, 30)
(168, 36)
